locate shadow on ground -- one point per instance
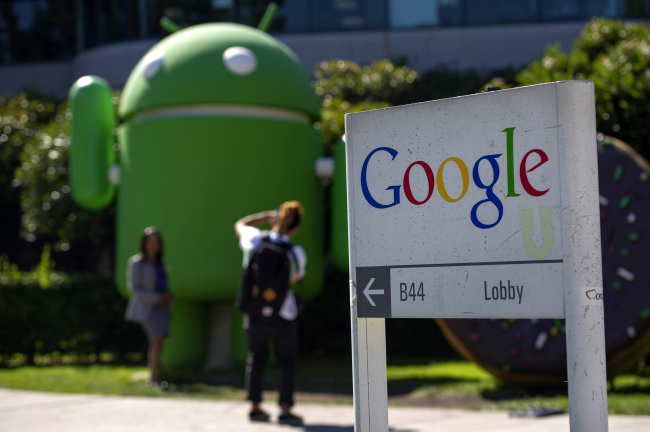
(509, 392)
(330, 428)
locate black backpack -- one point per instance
(265, 281)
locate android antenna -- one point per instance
(169, 25)
(267, 19)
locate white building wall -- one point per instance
(51, 77)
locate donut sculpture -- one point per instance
(533, 352)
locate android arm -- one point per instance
(91, 151)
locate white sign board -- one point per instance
(483, 206)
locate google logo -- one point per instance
(490, 196)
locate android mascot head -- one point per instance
(215, 122)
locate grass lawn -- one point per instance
(474, 388)
(414, 382)
(103, 379)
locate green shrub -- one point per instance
(34, 182)
(444, 82)
(616, 56)
(21, 117)
(49, 213)
(345, 87)
(75, 314)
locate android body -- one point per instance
(204, 140)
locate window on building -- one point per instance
(434, 13)
(480, 12)
(553, 10)
(107, 21)
(36, 30)
(190, 12)
(343, 15)
(41, 30)
(635, 8)
(414, 13)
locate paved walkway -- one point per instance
(22, 411)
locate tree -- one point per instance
(49, 213)
(345, 87)
(21, 117)
(616, 56)
(35, 201)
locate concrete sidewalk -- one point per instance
(22, 411)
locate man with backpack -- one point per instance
(271, 264)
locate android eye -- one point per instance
(239, 60)
(152, 63)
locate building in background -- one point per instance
(53, 42)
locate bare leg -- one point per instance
(153, 357)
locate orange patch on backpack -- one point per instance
(269, 294)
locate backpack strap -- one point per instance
(292, 255)
(287, 246)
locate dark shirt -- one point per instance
(161, 280)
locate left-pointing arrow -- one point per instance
(368, 292)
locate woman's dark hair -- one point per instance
(148, 232)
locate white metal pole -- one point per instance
(585, 331)
(369, 370)
(368, 342)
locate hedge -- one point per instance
(76, 314)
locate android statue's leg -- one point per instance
(226, 344)
(186, 345)
(219, 336)
(238, 341)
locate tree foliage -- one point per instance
(34, 183)
(33, 321)
(444, 82)
(345, 87)
(616, 56)
(49, 212)
(21, 118)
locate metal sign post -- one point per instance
(483, 206)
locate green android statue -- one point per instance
(216, 121)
